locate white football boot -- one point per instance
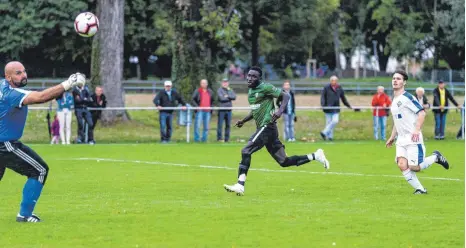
(237, 188)
(320, 156)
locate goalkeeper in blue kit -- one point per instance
(14, 155)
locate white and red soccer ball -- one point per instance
(86, 24)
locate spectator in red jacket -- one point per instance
(202, 97)
(381, 102)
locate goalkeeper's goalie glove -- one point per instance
(77, 79)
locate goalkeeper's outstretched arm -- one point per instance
(35, 97)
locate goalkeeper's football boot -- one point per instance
(32, 218)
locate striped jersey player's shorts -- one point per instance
(266, 136)
(414, 153)
(23, 160)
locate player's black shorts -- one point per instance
(23, 160)
(265, 136)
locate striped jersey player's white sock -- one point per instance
(242, 179)
(411, 178)
(428, 162)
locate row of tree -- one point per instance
(283, 31)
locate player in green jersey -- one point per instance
(261, 99)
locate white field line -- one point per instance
(252, 169)
(318, 141)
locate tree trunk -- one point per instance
(436, 47)
(95, 57)
(382, 57)
(95, 62)
(255, 36)
(187, 65)
(453, 55)
(336, 45)
(111, 57)
(144, 64)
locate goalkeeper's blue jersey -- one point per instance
(12, 112)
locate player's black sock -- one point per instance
(304, 159)
(242, 172)
(295, 160)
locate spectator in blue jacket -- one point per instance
(64, 112)
(330, 97)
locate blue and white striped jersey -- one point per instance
(405, 109)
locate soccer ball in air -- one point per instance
(86, 24)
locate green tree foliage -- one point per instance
(451, 24)
(412, 27)
(286, 31)
(451, 21)
(147, 31)
(216, 31)
(203, 33)
(25, 24)
(404, 26)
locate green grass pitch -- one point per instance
(153, 195)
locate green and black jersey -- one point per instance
(262, 103)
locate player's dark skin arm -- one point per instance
(45, 95)
(285, 99)
(240, 123)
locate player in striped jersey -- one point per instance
(261, 99)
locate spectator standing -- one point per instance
(167, 98)
(99, 101)
(289, 116)
(225, 96)
(381, 102)
(421, 98)
(202, 97)
(55, 131)
(441, 102)
(65, 105)
(82, 100)
(330, 97)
